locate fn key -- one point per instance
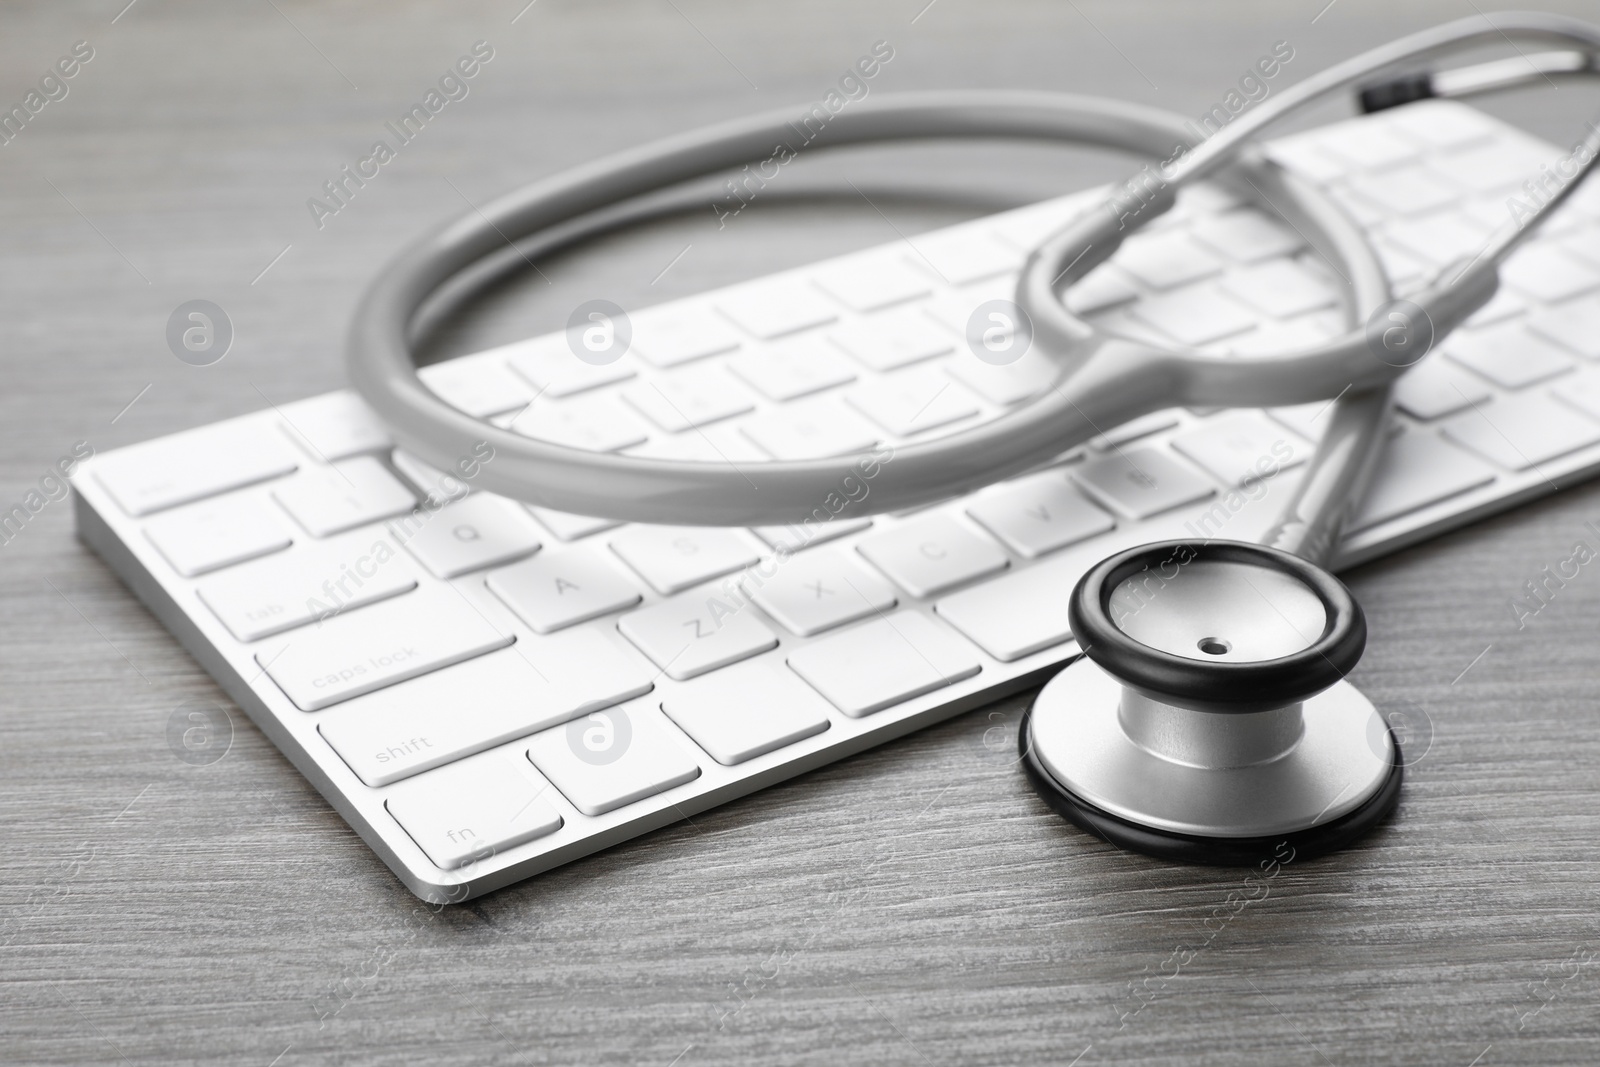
(468, 811)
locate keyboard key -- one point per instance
(550, 592)
(1280, 288)
(190, 466)
(612, 758)
(799, 366)
(1195, 316)
(216, 533)
(884, 662)
(720, 443)
(1575, 325)
(773, 308)
(1507, 354)
(694, 396)
(964, 256)
(1494, 167)
(668, 336)
(335, 426)
(444, 716)
(872, 283)
(1039, 514)
(811, 429)
(1405, 191)
(1101, 288)
(1440, 124)
(281, 592)
(1006, 383)
(469, 535)
(1581, 391)
(1133, 429)
(926, 556)
(818, 591)
(478, 386)
(1417, 469)
(1435, 388)
(1518, 432)
(1240, 447)
(555, 371)
(1165, 260)
(747, 711)
(362, 651)
(569, 527)
(1367, 145)
(1141, 483)
(1440, 239)
(693, 634)
(1547, 273)
(1246, 236)
(912, 401)
(597, 423)
(350, 493)
(435, 485)
(474, 810)
(1019, 614)
(795, 538)
(892, 339)
(672, 558)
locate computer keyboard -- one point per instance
(485, 690)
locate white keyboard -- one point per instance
(504, 689)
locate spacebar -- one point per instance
(367, 649)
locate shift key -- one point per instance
(377, 646)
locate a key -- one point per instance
(1518, 432)
(928, 555)
(672, 558)
(281, 592)
(1280, 288)
(1581, 391)
(1008, 383)
(1441, 238)
(883, 662)
(817, 591)
(362, 651)
(1547, 273)
(1246, 236)
(963, 257)
(798, 366)
(912, 401)
(1405, 191)
(720, 443)
(892, 339)
(1101, 288)
(467, 813)
(435, 485)
(1575, 325)
(1141, 483)
(810, 429)
(1440, 124)
(1508, 354)
(695, 633)
(1371, 147)
(747, 711)
(480, 531)
(594, 423)
(1195, 315)
(1019, 614)
(1435, 388)
(668, 336)
(216, 533)
(774, 308)
(1039, 514)
(334, 426)
(333, 499)
(611, 758)
(441, 717)
(795, 538)
(569, 527)
(870, 284)
(478, 386)
(555, 371)
(186, 467)
(693, 396)
(1165, 260)
(1133, 429)
(1415, 470)
(1241, 447)
(553, 591)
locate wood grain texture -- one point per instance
(915, 905)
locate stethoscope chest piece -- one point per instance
(1209, 719)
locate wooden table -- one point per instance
(917, 904)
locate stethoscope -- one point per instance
(1208, 718)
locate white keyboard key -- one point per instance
(1196, 315)
(1101, 288)
(694, 396)
(216, 533)
(1490, 168)
(569, 527)
(186, 467)
(1165, 260)
(1133, 429)
(811, 429)
(1307, 159)
(281, 592)
(478, 386)
(1019, 614)
(799, 366)
(1240, 447)
(818, 591)
(690, 635)
(362, 651)
(892, 339)
(1007, 383)
(884, 662)
(469, 535)
(1505, 304)
(668, 336)
(1435, 388)
(912, 401)
(1439, 123)
(747, 710)
(928, 555)
(1545, 272)
(719, 443)
(964, 256)
(867, 284)
(795, 538)
(1417, 469)
(1280, 288)
(1141, 483)
(1441, 238)
(1575, 325)
(1405, 190)
(1507, 354)
(1403, 268)
(555, 371)
(435, 485)
(773, 308)
(474, 810)
(1307, 420)
(597, 423)
(672, 558)
(1581, 391)
(1039, 514)
(1367, 145)
(1246, 236)
(612, 758)
(335, 426)
(350, 493)
(444, 716)
(550, 592)
(1518, 432)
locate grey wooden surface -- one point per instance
(914, 905)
